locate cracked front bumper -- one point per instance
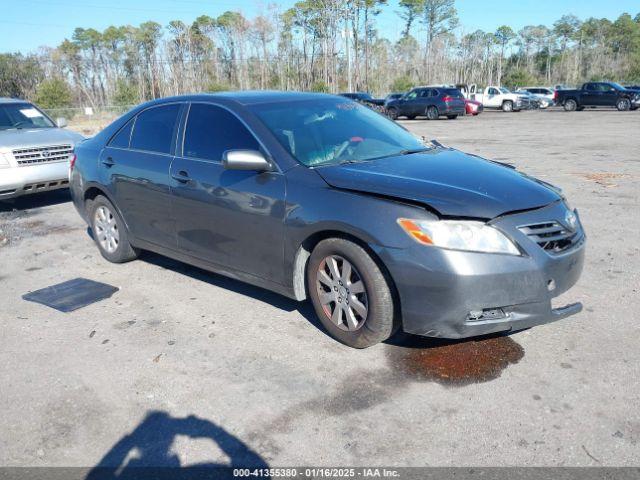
(456, 294)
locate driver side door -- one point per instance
(229, 218)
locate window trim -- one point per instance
(180, 148)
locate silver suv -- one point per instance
(35, 152)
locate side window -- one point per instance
(212, 130)
(154, 129)
(121, 139)
(412, 94)
(493, 91)
(591, 87)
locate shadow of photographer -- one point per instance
(146, 452)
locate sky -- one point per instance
(26, 25)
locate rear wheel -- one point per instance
(507, 106)
(623, 104)
(350, 294)
(432, 113)
(570, 105)
(393, 113)
(109, 232)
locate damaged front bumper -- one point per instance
(458, 294)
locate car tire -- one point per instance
(452, 117)
(432, 113)
(507, 106)
(109, 232)
(623, 105)
(570, 105)
(370, 317)
(393, 113)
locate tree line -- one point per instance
(317, 45)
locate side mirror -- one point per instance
(61, 122)
(245, 160)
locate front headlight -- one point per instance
(459, 235)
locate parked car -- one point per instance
(545, 92)
(472, 107)
(499, 98)
(598, 94)
(363, 97)
(35, 152)
(535, 101)
(431, 102)
(392, 96)
(541, 100)
(315, 196)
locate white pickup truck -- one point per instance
(35, 152)
(499, 98)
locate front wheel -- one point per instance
(393, 113)
(109, 232)
(432, 113)
(507, 106)
(350, 294)
(623, 104)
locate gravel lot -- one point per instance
(183, 366)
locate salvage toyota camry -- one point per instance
(317, 197)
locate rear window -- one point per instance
(154, 129)
(452, 92)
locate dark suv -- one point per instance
(316, 196)
(431, 102)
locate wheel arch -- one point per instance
(90, 194)
(305, 248)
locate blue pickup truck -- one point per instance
(599, 94)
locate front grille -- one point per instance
(37, 155)
(552, 236)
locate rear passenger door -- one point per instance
(135, 167)
(229, 218)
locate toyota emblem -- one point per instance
(46, 154)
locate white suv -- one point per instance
(35, 152)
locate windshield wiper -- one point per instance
(411, 151)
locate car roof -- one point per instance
(6, 100)
(247, 97)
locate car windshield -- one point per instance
(22, 115)
(332, 131)
(504, 90)
(617, 86)
(452, 92)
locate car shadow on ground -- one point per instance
(149, 451)
(305, 309)
(36, 200)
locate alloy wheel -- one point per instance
(106, 229)
(342, 293)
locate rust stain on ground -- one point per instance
(457, 363)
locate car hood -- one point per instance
(37, 137)
(453, 183)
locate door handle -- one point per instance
(108, 162)
(181, 176)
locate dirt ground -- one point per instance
(184, 367)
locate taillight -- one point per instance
(555, 95)
(447, 99)
(72, 162)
